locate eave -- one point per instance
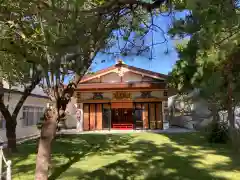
(121, 86)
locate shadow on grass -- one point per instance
(149, 160)
(86, 144)
(69, 148)
(196, 139)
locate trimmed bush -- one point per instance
(217, 132)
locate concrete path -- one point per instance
(169, 130)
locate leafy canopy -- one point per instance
(213, 27)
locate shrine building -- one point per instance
(122, 97)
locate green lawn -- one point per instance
(134, 156)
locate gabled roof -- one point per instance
(120, 64)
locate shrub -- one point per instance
(235, 139)
(217, 132)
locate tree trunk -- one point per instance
(231, 119)
(10, 126)
(11, 120)
(49, 127)
(214, 113)
(11, 134)
(48, 132)
(230, 101)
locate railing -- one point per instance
(5, 164)
(122, 126)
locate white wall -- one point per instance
(71, 114)
(21, 130)
(145, 78)
(111, 78)
(114, 77)
(131, 77)
(95, 80)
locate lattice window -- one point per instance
(165, 93)
(32, 115)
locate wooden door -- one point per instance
(99, 117)
(159, 115)
(145, 116)
(86, 117)
(92, 117)
(152, 116)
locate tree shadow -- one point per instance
(198, 140)
(87, 144)
(67, 148)
(150, 162)
(140, 158)
(22, 161)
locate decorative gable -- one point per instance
(112, 77)
(121, 73)
(131, 77)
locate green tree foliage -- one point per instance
(56, 37)
(209, 61)
(15, 70)
(213, 27)
(62, 37)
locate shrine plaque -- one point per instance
(122, 95)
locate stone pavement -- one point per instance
(169, 130)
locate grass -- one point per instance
(132, 156)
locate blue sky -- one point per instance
(162, 62)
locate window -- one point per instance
(2, 122)
(39, 113)
(138, 117)
(31, 115)
(28, 116)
